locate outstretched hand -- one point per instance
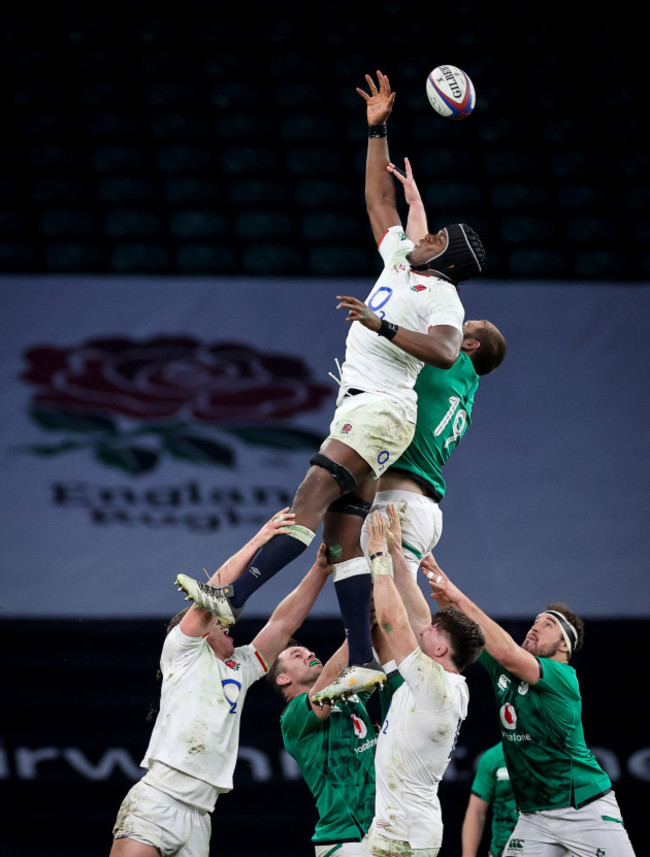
(323, 560)
(379, 102)
(394, 528)
(377, 527)
(277, 524)
(443, 590)
(411, 190)
(358, 311)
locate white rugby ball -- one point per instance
(450, 92)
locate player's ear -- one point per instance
(282, 679)
(563, 647)
(469, 344)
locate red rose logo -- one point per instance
(171, 383)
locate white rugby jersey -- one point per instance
(414, 748)
(406, 298)
(197, 728)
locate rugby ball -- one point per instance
(450, 92)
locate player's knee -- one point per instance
(350, 504)
(341, 475)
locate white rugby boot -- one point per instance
(212, 598)
(354, 679)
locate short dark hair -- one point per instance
(492, 351)
(573, 618)
(465, 636)
(276, 668)
(177, 619)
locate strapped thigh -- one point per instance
(350, 504)
(342, 476)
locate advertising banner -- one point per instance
(151, 425)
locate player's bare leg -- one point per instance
(125, 847)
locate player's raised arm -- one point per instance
(498, 642)
(199, 621)
(292, 611)
(381, 202)
(389, 609)
(416, 224)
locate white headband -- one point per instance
(566, 628)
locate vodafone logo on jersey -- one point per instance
(508, 716)
(360, 729)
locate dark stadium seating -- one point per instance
(144, 140)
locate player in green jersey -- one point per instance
(334, 746)
(491, 789)
(445, 399)
(564, 797)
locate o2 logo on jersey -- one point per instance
(360, 729)
(232, 691)
(382, 459)
(508, 716)
(379, 299)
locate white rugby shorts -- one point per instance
(155, 818)
(593, 829)
(421, 521)
(381, 846)
(375, 426)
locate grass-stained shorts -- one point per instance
(155, 818)
(375, 426)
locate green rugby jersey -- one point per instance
(337, 760)
(492, 784)
(445, 401)
(541, 727)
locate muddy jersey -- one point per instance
(550, 765)
(406, 298)
(197, 728)
(414, 749)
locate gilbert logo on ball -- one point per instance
(450, 92)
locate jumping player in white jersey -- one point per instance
(412, 316)
(193, 748)
(421, 727)
(414, 483)
(565, 799)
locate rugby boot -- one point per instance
(216, 599)
(354, 679)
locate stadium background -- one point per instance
(206, 145)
